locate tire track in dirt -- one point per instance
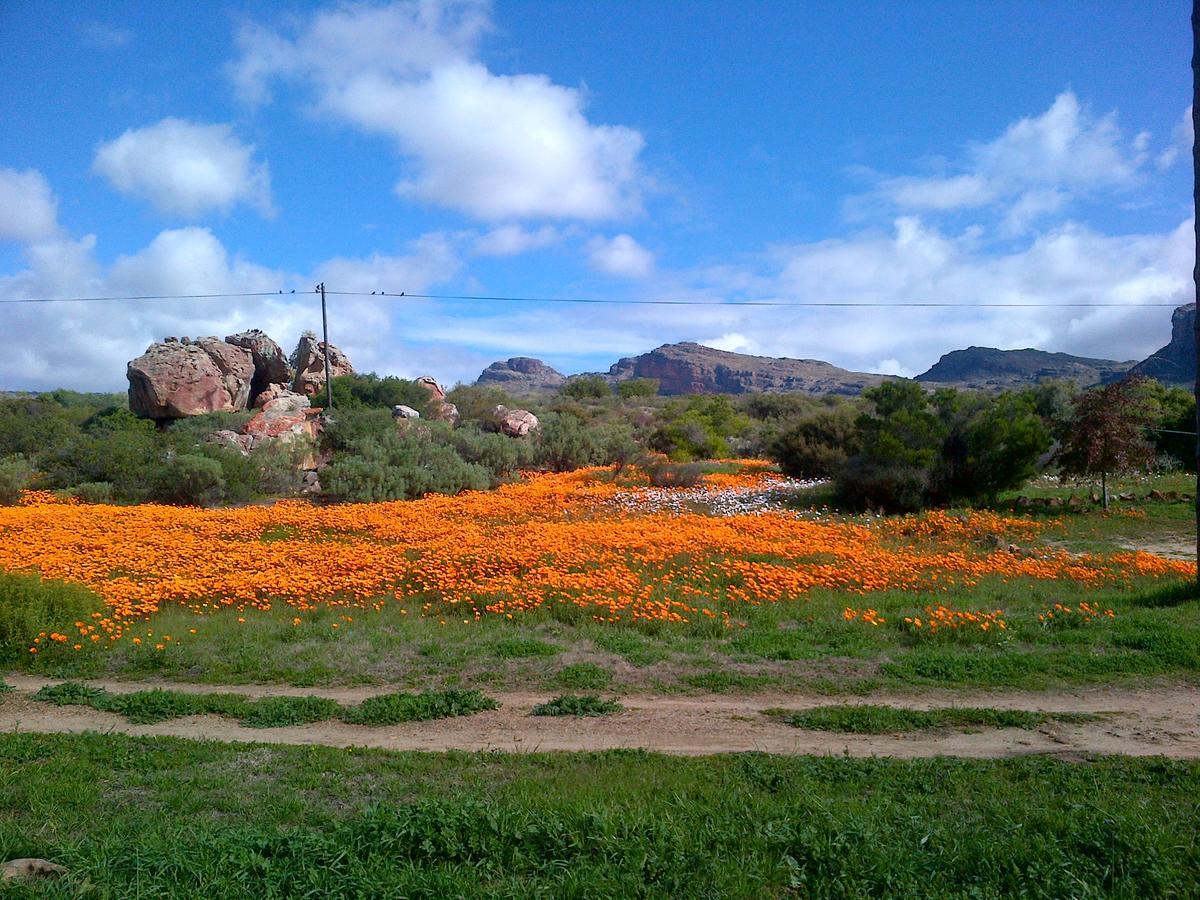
(1145, 721)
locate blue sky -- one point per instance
(949, 152)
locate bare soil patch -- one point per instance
(1161, 720)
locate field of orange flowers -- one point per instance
(549, 539)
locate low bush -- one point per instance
(665, 474)
(875, 719)
(393, 709)
(16, 475)
(94, 492)
(577, 705)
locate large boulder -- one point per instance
(514, 422)
(439, 410)
(308, 359)
(270, 364)
(174, 378)
(283, 422)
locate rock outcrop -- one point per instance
(521, 373)
(271, 366)
(308, 360)
(287, 419)
(514, 422)
(439, 410)
(690, 368)
(1176, 362)
(178, 378)
(986, 368)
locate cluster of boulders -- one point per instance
(514, 422)
(1078, 502)
(181, 377)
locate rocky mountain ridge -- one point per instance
(1174, 364)
(986, 368)
(691, 368)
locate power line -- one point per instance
(404, 295)
(151, 297)
(479, 298)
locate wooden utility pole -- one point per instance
(325, 350)
(1196, 229)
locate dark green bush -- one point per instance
(577, 705)
(637, 387)
(564, 443)
(817, 445)
(392, 709)
(94, 492)
(586, 387)
(190, 478)
(16, 475)
(698, 428)
(358, 391)
(397, 466)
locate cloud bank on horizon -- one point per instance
(404, 146)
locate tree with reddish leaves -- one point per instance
(1107, 433)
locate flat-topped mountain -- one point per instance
(1176, 362)
(522, 373)
(689, 368)
(987, 367)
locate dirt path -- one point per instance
(1138, 722)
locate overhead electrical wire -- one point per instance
(477, 298)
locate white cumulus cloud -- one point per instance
(492, 146)
(620, 256)
(186, 168)
(1036, 167)
(513, 240)
(28, 208)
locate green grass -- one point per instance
(581, 676)
(172, 818)
(392, 709)
(802, 644)
(577, 705)
(157, 705)
(874, 719)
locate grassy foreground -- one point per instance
(173, 818)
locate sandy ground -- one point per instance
(1162, 720)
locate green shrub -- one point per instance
(498, 454)
(586, 387)
(815, 446)
(396, 466)
(392, 709)
(666, 474)
(475, 402)
(16, 475)
(278, 712)
(577, 705)
(564, 443)
(191, 479)
(698, 428)
(876, 719)
(358, 391)
(94, 492)
(30, 604)
(637, 387)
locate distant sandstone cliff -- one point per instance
(988, 368)
(522, 373)
(1176, 362)
(689, 368)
